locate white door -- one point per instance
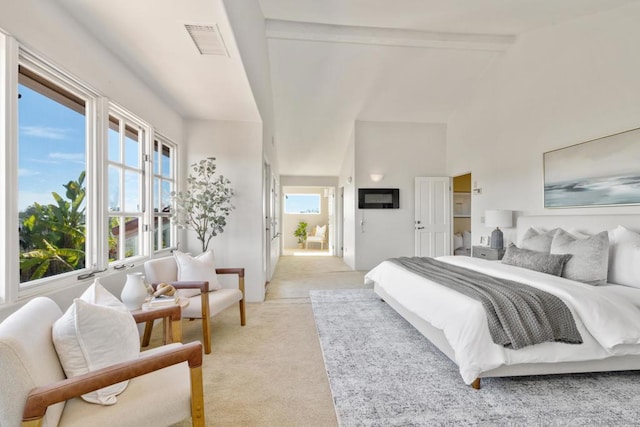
(433, 217)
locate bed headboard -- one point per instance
(589, 224)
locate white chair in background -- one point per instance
(319, 236)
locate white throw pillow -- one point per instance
(457, 241)
(466, 239)
(320, 230)
(95, 332)
(624, 257)
(199, 268)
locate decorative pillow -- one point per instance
(457, 241)
(320, 230)
(95, 332)
(578, 234)
(590, 260)
(534, 260)
(624, 257)
(199, 268)
(466, 239)
(538, 240)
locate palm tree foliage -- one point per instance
(52, 237)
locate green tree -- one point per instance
(52, 237)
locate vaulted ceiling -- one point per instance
(333, 62)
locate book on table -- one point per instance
(163, 300)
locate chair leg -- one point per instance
(206, 319)
(243, 318)
(146, 337)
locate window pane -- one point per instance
(166, 161)
(114, 189)
(166, 232)
(114, 139)
(156, 158)
(132, 237)
(51, 179)
(166, 196)
(131, 148)
(114, 238)
(156, 195)
(131, 191)
(302, 203)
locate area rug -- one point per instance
(383, 372)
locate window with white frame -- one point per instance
(302, 203)
(126, 199)
(52, 165)
(85, 178)
(164, 160)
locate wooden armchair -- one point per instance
(202, 306)
(165, 384)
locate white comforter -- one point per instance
(608, 317)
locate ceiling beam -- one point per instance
(307, 31)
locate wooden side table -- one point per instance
(487, 253)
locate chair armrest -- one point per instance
(202, 285)
(172, 312)
(238, 271)
(40, 398)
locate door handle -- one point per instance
(419, 228)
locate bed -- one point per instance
(607, 317)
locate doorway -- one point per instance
(308, 220)
(462, 215)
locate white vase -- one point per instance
(134, 291)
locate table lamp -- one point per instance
(498, 218)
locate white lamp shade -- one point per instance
(498, 218)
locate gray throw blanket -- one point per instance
(519, 315)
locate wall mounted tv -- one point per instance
(378, 198)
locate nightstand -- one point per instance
(487, 253)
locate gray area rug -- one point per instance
(383, 372)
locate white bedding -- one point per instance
(608, 317)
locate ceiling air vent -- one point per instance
(207, 39)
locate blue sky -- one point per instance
(51, 147)
(295, 203)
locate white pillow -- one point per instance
(589, 262)
(95, 332)
(199, 268)
(466, 239)
(320, 230)
(457, 241)
(624, 257)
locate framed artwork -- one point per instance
(601, 172)
(462, 205)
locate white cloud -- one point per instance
(26, 198)
(68, 157)
(44, 132)
(28, 172)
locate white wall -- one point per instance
(47, 30)
(555, 87)
(400, 151)
(237, 147)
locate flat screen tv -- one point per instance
(378, 198)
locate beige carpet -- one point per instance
(270, 372)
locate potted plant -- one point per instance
(206, 204)
(301, 233)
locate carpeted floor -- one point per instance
(270, 372)
(383, 372)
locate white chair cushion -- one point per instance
(218, 301)
(28, 359)
(95, 332)
(167, 391)
(200, 268)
